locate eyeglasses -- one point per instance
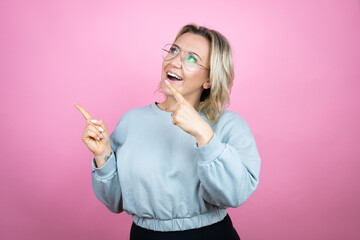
(190, 60)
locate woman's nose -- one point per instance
(176, 61)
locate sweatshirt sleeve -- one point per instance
(105, 180)
(229, 166)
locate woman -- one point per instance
(176, 166)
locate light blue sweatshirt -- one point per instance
(159, 175)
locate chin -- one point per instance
(164, 89)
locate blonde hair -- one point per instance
(215, 99)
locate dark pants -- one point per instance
(222, 230)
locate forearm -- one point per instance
(106, 185)
(228, 175)
(227, 182)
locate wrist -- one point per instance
(204, 136)
(101, 159)
(106, 152)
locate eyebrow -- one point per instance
(189, 51)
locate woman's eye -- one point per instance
(192, 59)
(173, 50)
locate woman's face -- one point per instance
(192, 83)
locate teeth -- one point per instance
(173, 75)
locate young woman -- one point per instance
(176, 166)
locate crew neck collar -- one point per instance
(159, 110)
(155, 107)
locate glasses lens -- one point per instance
(191, 62)
(169, 51)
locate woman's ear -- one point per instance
(207, 84)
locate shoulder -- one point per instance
(134, 115)
(232, 122)
(129, 122)
(138, 112)
(135, 112)
(230, 117)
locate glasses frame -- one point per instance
(181, 57)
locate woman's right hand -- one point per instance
(96, 136)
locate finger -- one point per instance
(94, 129)
(98, 130)
(86, 115)
(98, 135)
(179, 98)
(91, 134)
(99, 123)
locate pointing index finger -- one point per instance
(86, 115)
(179, 98)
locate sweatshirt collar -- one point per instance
(158, 110)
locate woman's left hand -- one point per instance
(187, 118)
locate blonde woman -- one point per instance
(177, 165)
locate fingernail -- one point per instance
(98, 138)
(101, 129)
(94, 120)
(101, 136)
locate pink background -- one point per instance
(297, 85)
